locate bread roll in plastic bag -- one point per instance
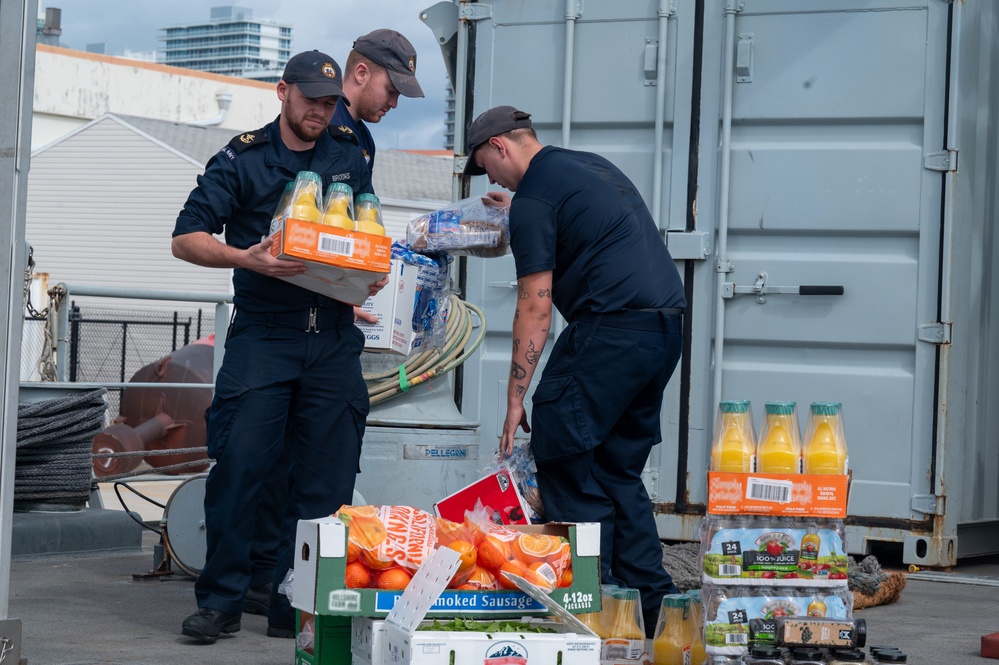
(465, 228)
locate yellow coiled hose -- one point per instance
(422, 367)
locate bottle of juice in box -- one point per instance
(620, 614)
(734, 445)
(779, 449)
(369, 215)
(283, 208)
(673, 641)
(825, 444)
(307, 197)
(339, 211)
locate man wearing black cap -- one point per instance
(290, 385)
(583, 238)
(380, 67)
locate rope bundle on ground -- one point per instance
(54, 448)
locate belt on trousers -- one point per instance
(314, 319)
(637, 319)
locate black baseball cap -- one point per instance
(389, 49)
(316, 75)
(497, 120)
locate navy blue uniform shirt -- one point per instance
(342, 119)
(241, 188)
(578, 215)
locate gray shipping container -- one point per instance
(849, 145)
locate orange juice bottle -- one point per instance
(339, 206)
(369, 215)
(825, 445)
(592, 621)
(673, 640)
(779, 449)
(621, 616)
(734, 444)
(698, 654)
(307, 196)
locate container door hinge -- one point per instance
(941, 161)
(935, 333)
(928, 504)
(477, 11)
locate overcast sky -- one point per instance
(328, 25)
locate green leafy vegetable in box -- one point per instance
(467, 625)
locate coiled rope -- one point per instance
(53, 450)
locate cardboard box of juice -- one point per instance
(321, 558)
(789, 495)
(740, 616)
(341, 264)
(408, 641)
(751, 552)
(394, 306)
(499, 496)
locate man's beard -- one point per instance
(304, 133)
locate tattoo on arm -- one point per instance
(544, 293)
(532, 354)
(516, 316)
(516, 345)
(520, 391)
(521, 291)
(517, 372)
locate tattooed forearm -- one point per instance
(532, 354)
(517, 372)
(544, 293)
(516, 345)
(521, 291)
(516, 316)
(520, 391)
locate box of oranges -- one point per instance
(358, 562)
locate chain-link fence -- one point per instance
(108, 344)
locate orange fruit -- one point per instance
(480, 578)
(469, 555)
(356, 575)
(393, 578)
(515, 567)
(367, 532)
(357, 511)
(371, 559)
(353, 551)
(566, 580)
(493, 553)
(535, 546)
(562, 557)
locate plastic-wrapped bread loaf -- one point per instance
(465, 228)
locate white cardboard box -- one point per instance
(402, 644)
(393, 306)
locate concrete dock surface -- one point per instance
(89, 608)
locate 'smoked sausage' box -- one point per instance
(321, 559)
(408, 641)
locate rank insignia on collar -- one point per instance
(247, 138)
(345, 129)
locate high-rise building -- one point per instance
(232, 43)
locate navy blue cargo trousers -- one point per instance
(289, 389)
(595, 418)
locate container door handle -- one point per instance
(762, 290)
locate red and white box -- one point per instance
(499, 496)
